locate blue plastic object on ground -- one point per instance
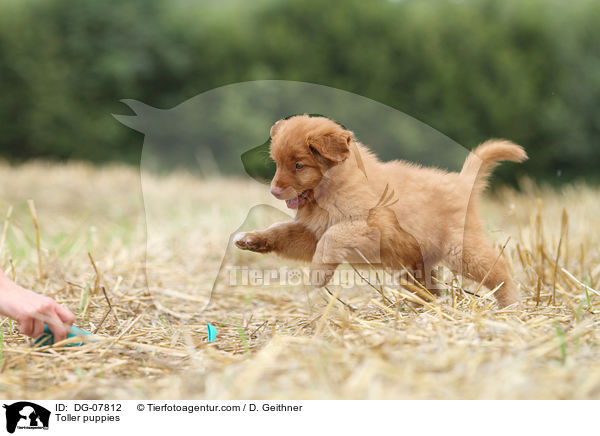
(212, 332)
(47, 337)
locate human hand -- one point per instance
(32, 311)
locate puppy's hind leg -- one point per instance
(426, 275)
(401, 251)
(478, 261)
(354, 242)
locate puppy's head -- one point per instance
(304, 148)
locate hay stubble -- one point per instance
(369, 342)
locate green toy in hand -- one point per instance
(47, 337)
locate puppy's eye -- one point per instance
(299, 166)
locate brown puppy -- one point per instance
(352, 207)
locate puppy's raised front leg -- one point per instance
(290, 239)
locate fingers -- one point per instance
(32, 310)
(58, 328)
(25, 325)
(64, 314)
(49, 312)
(37, 328)
(59, 321)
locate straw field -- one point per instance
(137, 293)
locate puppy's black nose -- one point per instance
(277, 191)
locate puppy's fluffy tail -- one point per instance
(481, 162)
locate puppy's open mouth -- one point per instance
(298, 201)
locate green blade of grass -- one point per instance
(85, 294)
(562, 343)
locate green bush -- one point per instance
(524, 70)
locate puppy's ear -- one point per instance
(276, 127)
(334, 147)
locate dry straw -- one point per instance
(371, 341)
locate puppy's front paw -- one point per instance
(252, 241)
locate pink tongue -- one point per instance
(293, 203)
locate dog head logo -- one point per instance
(26, 415)
(208, 133)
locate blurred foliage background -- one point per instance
(527, 70)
